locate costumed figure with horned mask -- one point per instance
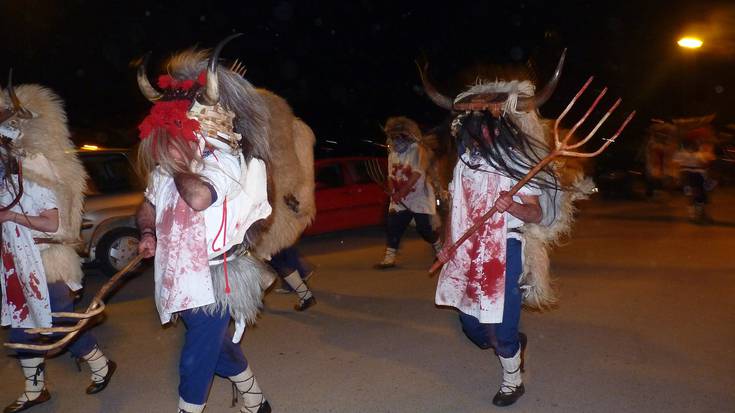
(41, 195)
(215, 205)
(504, 265)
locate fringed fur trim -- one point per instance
(247, 277)
(536, 281)
(62, 263)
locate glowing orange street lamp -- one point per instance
(690, 42)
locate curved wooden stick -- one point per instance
(96, 307)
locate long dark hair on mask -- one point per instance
(505, 147)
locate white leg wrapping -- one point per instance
(511, 372)
(390, 256)
(302, 290)
(247, 387)
(34, 378)
(185, 407)
(97, 364)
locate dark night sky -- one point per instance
(346, 66)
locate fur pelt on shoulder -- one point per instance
(291, 178)
(50, 160)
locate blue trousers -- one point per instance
(502, 337)
(398, 221)
(208, 350)
(287, 261)
(61, 300)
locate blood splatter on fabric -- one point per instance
(420, 199)
(473, 280)
(25, 301)
(182, 275)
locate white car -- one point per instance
(114, 192)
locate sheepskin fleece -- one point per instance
(47, 136)
(245, 275)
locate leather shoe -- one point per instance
(19, 406)
(97, 387)
(265, 407)
(305, 304)
(502, 399)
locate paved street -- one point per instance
(646, 323)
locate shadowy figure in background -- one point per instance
(694, 159)
(411, 194)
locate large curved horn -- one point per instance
(527, 104)
(441, 100)
(210, 97)
(145, 86)
(18, 108)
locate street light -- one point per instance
(690, 42)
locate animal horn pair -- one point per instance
(18, 108)
(524, 104)
(210, 95)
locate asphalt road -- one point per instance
(646, 323)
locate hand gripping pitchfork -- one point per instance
(562, 147)
(96, 307)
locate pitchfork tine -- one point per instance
(605, 145)
(584, 118)
(567, 109)
(96, 307)
(53, 330)
(594, 130)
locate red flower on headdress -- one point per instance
(169, 117)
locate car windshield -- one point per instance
(109, 174)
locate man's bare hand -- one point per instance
(147, 245)
(504, 202)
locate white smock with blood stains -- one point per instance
(187, 239)
(473, 280)
(25, 292)
(401, 166)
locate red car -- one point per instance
(348, 193)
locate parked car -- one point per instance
(114, 192)
(346, 195)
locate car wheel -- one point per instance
(116, 249)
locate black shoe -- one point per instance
(305, 304)
(19, 406)
(97, 387)
(506, 399)
(265, 407)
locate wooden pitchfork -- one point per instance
(96, 307)
(562, 147)
(375, 171)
